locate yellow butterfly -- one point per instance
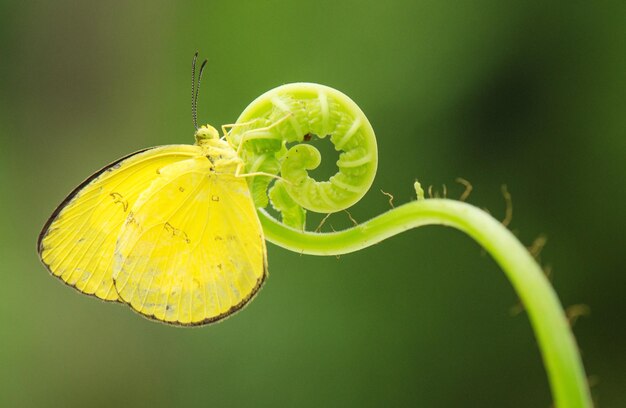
(172, 231)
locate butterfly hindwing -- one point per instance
(192, 249)
(78, 241)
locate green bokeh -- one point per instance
(522, 93)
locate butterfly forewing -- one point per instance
(78, 242)
(192, 249)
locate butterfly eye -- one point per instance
(206, 132)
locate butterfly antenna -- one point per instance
(196, 91)
(193, 90)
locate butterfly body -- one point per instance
(172, 231)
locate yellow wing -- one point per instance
(78, 241)
(192, 251)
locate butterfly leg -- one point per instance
(260, 133)
(231, 126)
(240, 166)
(256, 173)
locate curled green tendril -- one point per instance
(269, 136)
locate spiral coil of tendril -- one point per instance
(268, 136)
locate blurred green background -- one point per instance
(531, 94)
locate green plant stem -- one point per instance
(556, 341)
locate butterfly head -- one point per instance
(206, 132)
